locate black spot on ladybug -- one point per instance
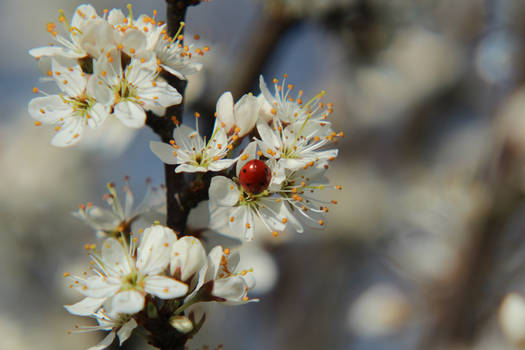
(243, 170)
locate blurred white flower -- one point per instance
(120, 325)
(124, 214)
(511, 316)
(380, 310)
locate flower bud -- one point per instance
(181, 324)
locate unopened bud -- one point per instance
(181, 324)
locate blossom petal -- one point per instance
(221, 164)
(264, 90)
(130, 114)
(83, 13)
(69, 79)
(69, 134)
(187, 256)
(271, 213)
(115, 257)
(133, 41)
(157, 98)
(97, 115)
(269, 138)
(232, 288)
(223, 191)
(225, 109)
(246, 113)
(100, 91)
(154, 251)
(188, 168)
(214, 262)
(55, 51)
(164, 151)
(49, 109)
(86, 306)
(100, 287)
(127, 302)
(142, 71)
(242, 221)
(165, 287)
(246, 155)
(105, 342)
(184, 136)
(116, 17)
(126, 330)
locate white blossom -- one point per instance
(283, 106)
(83, 25)
(242, 115)
(82, 103)
(230, 205)
(121, 325)
(292, 146)
(193, 153)
(136, 88)
(230, 286)
(123, 214)
(124, 275)
(176, 58)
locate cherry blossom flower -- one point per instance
(242, 115)
(176, 58)
(136, 88)
(232, 206)
(229, 286)
(121, 325)
(123, 214)
(300, 194)
(284, 107)
(82, 103)
(83, 24)
(292, 146)
(193, 153)
(125, 275)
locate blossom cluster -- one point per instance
(280, 171)
(268, 156)
(127, 277)
(108, 66)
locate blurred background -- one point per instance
(427, 239)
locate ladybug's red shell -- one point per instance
(255, 176)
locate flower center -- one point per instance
(130, 281)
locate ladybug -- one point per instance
(255, 176)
